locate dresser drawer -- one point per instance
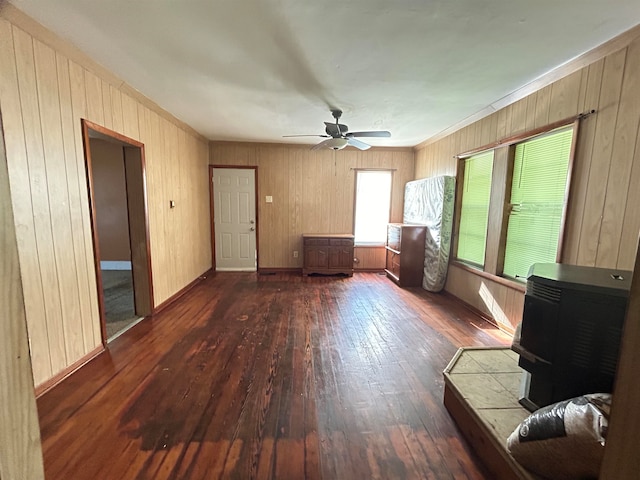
(341, 242)
(316, 241)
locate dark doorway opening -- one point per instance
(117, 194)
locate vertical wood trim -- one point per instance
(134, 166)
(499, 209)
(21, 452)
(212, 227)
(455, 235)
(567, 190)
(353, 202)
(257, 219)
(621, 460)
(94, 230)
(391, 196)
(504, 225)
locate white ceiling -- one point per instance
(255, 70)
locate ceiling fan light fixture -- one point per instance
(338, 135)
(337, 143)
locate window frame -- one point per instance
(355, 201)
(501, 182)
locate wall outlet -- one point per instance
(269, 199)
(295, 254)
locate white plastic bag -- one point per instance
(564, 441)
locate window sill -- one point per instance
(513, 284)
(370, 245)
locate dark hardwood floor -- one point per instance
(281, 376)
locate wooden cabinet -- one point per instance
(405, 253)
(328, 254)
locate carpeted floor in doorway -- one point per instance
(118, 300)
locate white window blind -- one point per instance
(537, 202)
(474, 212)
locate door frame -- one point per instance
(137, 208)
(211, 200)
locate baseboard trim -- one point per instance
(59, 377)
(369, 270)
(47, 385)
(181, 292)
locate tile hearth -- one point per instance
(481, 393)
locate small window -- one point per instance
(373, 205)
(537, 204)
(474, 211)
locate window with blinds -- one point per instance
(537, 202)
(474, 211)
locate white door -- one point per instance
(234, 213)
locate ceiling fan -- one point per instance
(338, 135)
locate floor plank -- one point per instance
(279, 376)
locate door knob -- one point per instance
(252, 229)
(251, 221)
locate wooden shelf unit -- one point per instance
(405, 253)
(328, 253)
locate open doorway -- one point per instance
(117, 195)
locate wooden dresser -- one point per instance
(327, 253)
(405, 253)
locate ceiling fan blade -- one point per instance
(335, 129)
(323, 136)
(378, 133)
(357, 143)
(323, 144)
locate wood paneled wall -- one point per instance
(604, 207)
(621, 460)
(20, 449)
(313, 191)
(46, 87)
(369, 258)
